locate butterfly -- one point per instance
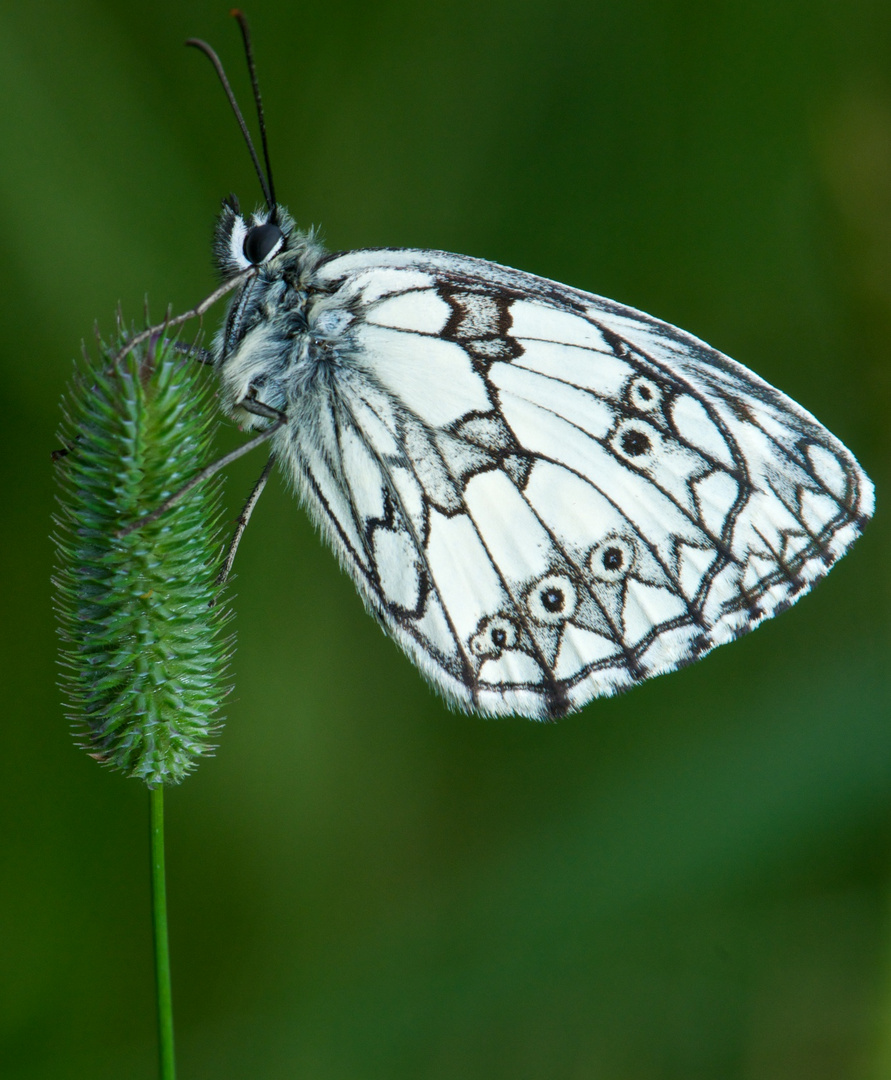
(542, 495)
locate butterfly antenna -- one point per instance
(202, 46)
(241, 18)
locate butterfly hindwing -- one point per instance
(546, 496)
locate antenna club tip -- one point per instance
(242, 21)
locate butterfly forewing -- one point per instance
(547, 496)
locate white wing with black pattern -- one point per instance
(543, 495)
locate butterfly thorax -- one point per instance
(277, 343)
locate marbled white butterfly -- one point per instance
(543, 496)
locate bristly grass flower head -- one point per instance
(145, 650)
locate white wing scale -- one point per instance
(546, 496)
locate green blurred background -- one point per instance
(691, 881)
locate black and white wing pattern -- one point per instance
(546, 496)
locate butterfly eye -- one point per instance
(552, 599)
(261, 241)
(611, 559)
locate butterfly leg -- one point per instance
(258, 409)
(194, 313)
(194, 352)
(243, 518)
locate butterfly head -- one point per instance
(245, 241)
(267, 311)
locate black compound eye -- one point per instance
(260, 241)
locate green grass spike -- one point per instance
(145, 650)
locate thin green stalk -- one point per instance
(162, 950)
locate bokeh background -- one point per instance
(691, 881)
